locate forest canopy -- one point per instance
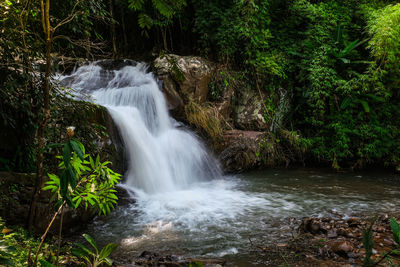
(339, 60)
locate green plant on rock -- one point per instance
(94, 257)
(368, 243)
(205, 119)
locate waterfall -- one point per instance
(162, 157)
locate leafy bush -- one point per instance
(94, 258)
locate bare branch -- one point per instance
(70, 16)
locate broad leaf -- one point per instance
(108, 261)
(85, 249)
(396, 230)
(91, 241)
(77, 149)
(67, 154)
(72, 177)
(107, 250)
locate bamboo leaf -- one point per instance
(107, 250)
(77, 149)
(67, 154)
(396, 230)
(91, 241)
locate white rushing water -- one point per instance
(183, 203)
(173, 177)
(161, 157)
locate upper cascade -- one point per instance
(160, 156)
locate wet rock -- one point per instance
(183, 78)
(341, 247)
(353, 222)
(148, 258)
(313, 226)
(240, 150)
(20, 186)
(249, 110)
(332, 233)
(341, 232)
(353, 255)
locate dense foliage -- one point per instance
(339, 61)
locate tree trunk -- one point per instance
(164, 36)
(170, 39)
(124, 31)
(113, 36)
(45, 8)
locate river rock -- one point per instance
(241, 150)
(148, 258)
(341, 247)
(183, 78)
(94, 127)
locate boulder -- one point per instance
(249, 110)
(94, 127)
(341, 247)
(16, 195)
(183, 77)
(240, 150)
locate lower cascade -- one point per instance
(161, 157)
(179, 189)
(184, 205)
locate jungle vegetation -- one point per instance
(338, 59)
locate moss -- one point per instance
(205, 119)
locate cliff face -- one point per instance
(230, 116)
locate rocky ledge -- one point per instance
(227, 113)
(148, 258)
(334, 242)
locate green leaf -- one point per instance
(91, 162)
(67, 154)
(97, 160)
(396, 230)
(69, 201)
(108, 261)
(365, 105)
(368, 244)
(46, 264)
(107, 250)
(50, 187)
(72, 176)
(345, 60)
(85, 249)
(78, 201)
(78, 252)
(91, 241)
(4, 247)
(64, 183)
(346, 102)
(196, 264)
(75, 146)
(396, 252)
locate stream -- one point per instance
(184, 204)
(217, 218)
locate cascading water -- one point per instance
(183, 204)
(177, 184)
(161, 157)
